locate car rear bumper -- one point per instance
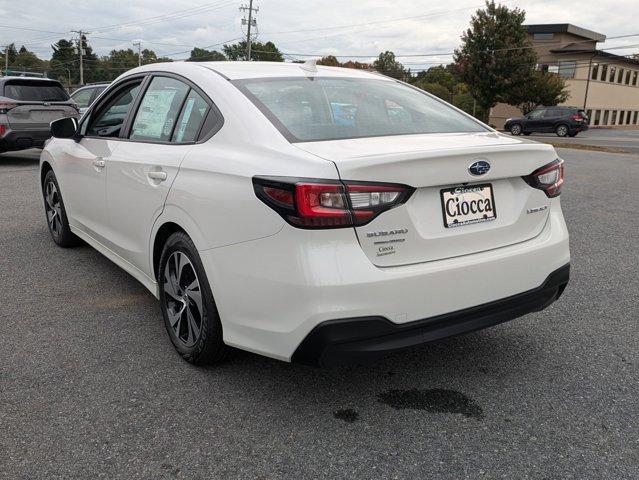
(272, 292)
(357, 340)
(23, 139)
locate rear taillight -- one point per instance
(313, 203)
(3, 130)
(6, 106)
(578, 118)
(548, 178)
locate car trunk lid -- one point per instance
(416, 232)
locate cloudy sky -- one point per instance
(350, 28)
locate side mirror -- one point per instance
(64, 127)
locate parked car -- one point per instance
(564, 121)
(27, 107)
(260, 220)
(85, 96)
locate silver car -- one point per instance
(27, 107)
(85, 96)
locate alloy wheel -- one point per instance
(183, 298)
(515, 130)
(562, 131)
(53, 208)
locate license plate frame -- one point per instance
(476, 192)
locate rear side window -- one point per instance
(159, 110)
(82, 97)
(315, 109)
(35, 91)
(191, 118)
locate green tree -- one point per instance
(436, 89)
(29, 61)
(13, 53)
(495, 57)
(542, 88)
(203, 55)
(387, 65)
(266, 52)
(439, 74)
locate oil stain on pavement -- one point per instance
(347, 414)
(433, 401)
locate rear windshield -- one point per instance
(314, 109)
(35, 91)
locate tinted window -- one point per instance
(159, 110)
(82, 97)
(537, 114)
(306, 109)
(191, 118)
(35, 91)
(110, 118)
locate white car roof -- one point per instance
(239, 70)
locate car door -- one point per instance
(83, 164)
(535, 121)
(143, 168)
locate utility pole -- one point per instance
(81, 44)
(6, 60)
(251, 22)
(139, 45)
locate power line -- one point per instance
(250, 22)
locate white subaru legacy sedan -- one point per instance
(311, 214)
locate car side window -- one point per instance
(537, 114)
(109, 119)
(191, 118)
(82, 97)
(159, 109)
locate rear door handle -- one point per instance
(161, 176)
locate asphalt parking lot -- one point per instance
(90, 386)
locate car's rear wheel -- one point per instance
(57, 220)
(516, 129)
(189, 311)
(561, 130)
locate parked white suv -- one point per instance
(312, 214)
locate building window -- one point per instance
(567, 69)
(543, 36)
(635, 120)
(613, 118)
(597, 116)
(621, 116)
(620, 79)
(605, 119)
(589, 114)
(613, 74)
(543, 67)
(628, 72)
(629, 118)
(604, 72)
(634, 78)
(594, 75)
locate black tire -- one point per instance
(562, 130)
(573, 134)
(180, 266)
(516, 129)
(56, 214)
(527, 133)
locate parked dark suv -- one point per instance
(27, 107)
(564, 121)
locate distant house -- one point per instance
(602, 83)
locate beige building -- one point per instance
(602, 83)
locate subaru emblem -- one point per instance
(480, 167)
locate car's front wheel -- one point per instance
(57, 220)
(515, 129)
(561, 130)
(189, 311)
